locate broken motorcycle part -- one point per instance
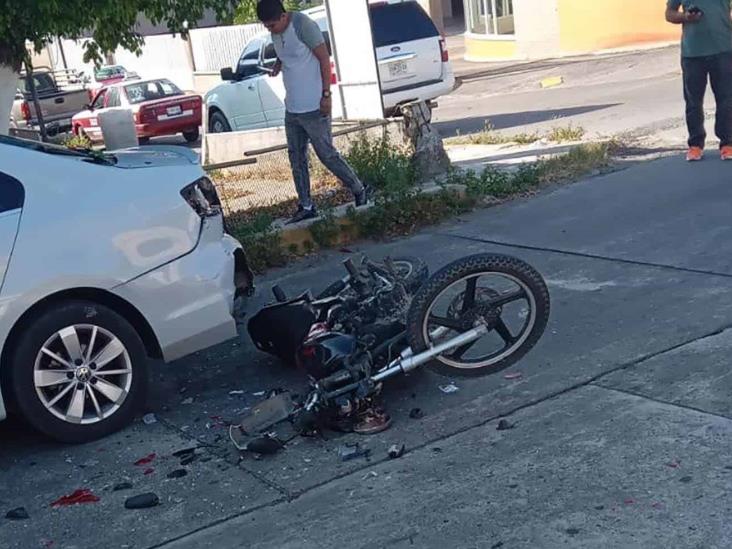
(142, 501)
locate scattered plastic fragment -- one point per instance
(234, 393)
(348, 452)
(177, 473)
(513, 375)
(121, 486)
(504, 425)
(82, 495)
(184, 452)
(416, 413)
(259, 393)
(396, 451)
(449, 388)
(19, 513)
(142, 501)
(149, 419)
(148, 471)
(188, 400)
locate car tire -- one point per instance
(191, 136)
(217, 123)
(103, 388)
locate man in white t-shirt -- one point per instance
(304, 61)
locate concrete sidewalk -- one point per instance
(622, 413)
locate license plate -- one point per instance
(173, 111)
(398, 68)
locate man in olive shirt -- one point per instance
(706, 54)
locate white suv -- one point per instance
(411, 53)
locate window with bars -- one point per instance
(492, 17)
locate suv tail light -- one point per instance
(201, 195)
(25, 111)
(443, 51)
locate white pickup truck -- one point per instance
(57, 105)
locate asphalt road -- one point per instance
(607, 96)
(622, 412)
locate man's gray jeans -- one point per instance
(315, 128)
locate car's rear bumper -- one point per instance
(189, 303)
(422, 92)
(170, 127)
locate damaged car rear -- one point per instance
(106, 262)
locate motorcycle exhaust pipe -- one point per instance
(406, 364)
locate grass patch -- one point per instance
(579, 161)
(489, 136)
(262, 243)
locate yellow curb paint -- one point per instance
(552, 82)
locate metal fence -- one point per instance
(265, 186)
(218, 47)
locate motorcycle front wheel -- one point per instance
(500, 292)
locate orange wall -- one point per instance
(589, 25)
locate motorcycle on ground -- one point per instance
(474, 317)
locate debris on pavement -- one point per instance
(348, 452)
(149, 419)
(513, 375)
(265, 414)
(416, 413)
(122, 486)
(177, 473)
(396, 451)
(142, 501)
(19, 513)
(148, 471)
(234, 393)
(265, 445)
(505, 425)
(685, 479)
(82, 495)
(187, 459)
(184, 452)
(188, 400)
(370, 474)
(146, 460)
(449, 388)
(259, 393)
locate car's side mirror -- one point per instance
(227, 74)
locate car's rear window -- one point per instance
(150, 91)
(403, 22)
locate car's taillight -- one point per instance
(443, 50)
(25, 111)
(201, 195)
(146, 114)
(333, 75)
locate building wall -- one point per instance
(592, 25)
(537, 28)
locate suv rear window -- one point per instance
(403, 22)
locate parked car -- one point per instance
(58, 106)
(111, 74)
(106, 261)
(411, 54)
(159, 108)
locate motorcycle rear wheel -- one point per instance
(480, 289)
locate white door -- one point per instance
(243, 103)
(272, 89)
(12, 195)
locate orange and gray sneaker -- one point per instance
(695, 154)
(726, 152)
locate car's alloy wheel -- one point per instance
(79, 371)
(83, 374)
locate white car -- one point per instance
(106, 261)
(411, 54)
